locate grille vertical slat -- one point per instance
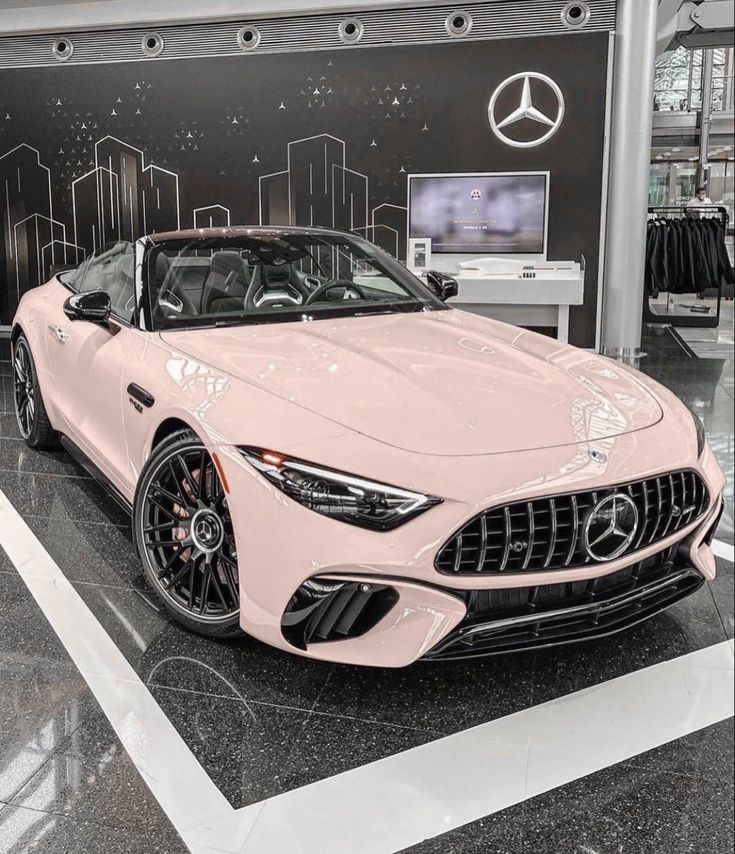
(552, 538)
(646, 516)
(548, 533)
(508, 535)
(482, 551)
(531, 535)
(672, 505)
(575, 530)
(659, 502)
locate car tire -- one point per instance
(30, 412)
(192, 572)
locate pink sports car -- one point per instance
(318, 451)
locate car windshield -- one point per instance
(276, 277)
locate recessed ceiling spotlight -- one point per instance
(63, 48)
(248, 37)
(152, 44)
(676, 149)
(351, 31)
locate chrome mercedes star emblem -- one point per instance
(526, 110)
(611, 527)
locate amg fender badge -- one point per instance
(139, 397)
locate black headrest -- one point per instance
(277, 275)
(224, 263)
(163, 265)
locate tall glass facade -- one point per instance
(678, 83)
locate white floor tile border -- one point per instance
(724, 550)
(398, 801)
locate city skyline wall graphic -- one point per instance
(111, 152)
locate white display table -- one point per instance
(522, 292)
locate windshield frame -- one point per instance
(424, 300)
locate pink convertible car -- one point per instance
(318, 451)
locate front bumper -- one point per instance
(282, 545)
(568, 616)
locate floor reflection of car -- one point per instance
(316, 449)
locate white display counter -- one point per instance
(526, 293)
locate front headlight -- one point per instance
(341, 496)
(701, 435)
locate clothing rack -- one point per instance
(702, 321)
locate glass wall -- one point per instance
(673, 178)
(678, 83)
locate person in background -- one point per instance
(700, 198)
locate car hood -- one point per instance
(439, 383)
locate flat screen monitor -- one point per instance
(492, 213)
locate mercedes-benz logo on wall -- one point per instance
(537, 114)
(611, 527)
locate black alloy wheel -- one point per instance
(185, 538)
(25, 395)
(30, 411)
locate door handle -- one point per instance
(59, 334)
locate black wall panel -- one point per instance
(88, 154)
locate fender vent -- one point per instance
(323, 610)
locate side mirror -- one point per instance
(441, 285)
(93, 306)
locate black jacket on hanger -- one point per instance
(686, 255)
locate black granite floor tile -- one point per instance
(9, 426)
(40, 706)
(442, 697)
(18, 457)
(61, 497)
(24, 831)
(253, 751)
(25, 635)
(5, 564)
(41, 692)
(706, 754)
(90, 552)
(166, 655)
(631, 808)
(98, 787)
(493, 834)
(723, 592)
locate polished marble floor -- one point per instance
(262, 723)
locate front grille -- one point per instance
(528, 617)
(548, 533)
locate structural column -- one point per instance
(630, 158)
(706, 119)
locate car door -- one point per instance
(88, 361)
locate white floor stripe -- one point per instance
(396, 802)
(724, 550)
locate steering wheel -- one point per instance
(320, 292)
